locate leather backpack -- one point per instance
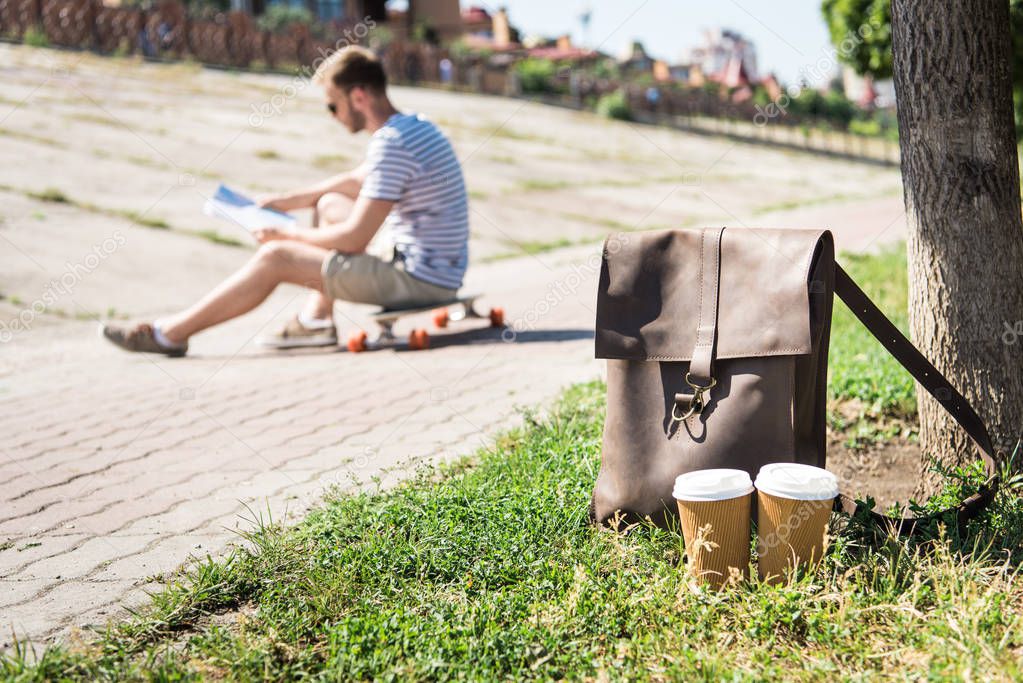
(717, 353)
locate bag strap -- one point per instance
(707, 328)
(937, 386)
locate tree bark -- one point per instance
(961, 183)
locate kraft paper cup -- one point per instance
(715, 507)
(794, 505)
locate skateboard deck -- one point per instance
(460, 308)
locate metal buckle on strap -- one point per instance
(696, 400)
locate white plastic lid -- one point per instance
(719, 484)
(798, 482)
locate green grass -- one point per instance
(530, 247)
(539, 246)
(790, 204)
(218, 238)
(541, 185)
(329, 160)
(878, 393)
(145, 161)
(97, 119)
(36, 37)
(487, 570)
(50, 194)
(546, 185)
(28, 137)
(136, 217)
(616, 225)
(506, 159)
(56, 196)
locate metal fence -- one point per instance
(166, 31)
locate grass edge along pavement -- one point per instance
(486, 568)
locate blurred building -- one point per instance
(561, 49)
(866, 92)
(725, 57)
(442, 17)
(483, 29)
(635, 59)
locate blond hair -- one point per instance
(352, 67)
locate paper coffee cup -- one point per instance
(794, 505)
(714, 506)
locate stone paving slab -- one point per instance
(124, 477)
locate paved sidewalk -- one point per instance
(117, 467)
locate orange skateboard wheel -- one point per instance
(441, 317)
(497, 317)
(418, 339)
(357, 341)
(424, 339)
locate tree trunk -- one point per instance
(961, 184)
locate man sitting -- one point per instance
(411, 183)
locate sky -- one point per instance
(790, 36)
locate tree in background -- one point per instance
(1016, 30)
(962, 195)
(861, 31)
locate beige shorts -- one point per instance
(368, 279)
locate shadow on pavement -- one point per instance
(438, 339)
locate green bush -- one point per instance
(832, 107)
(865, 127)
(36, 37)
(614, 106)
(123, 49)
(607, 69)
(878, 124)
(280, 17)
(839, 109)
(536, 75)
(761, 97)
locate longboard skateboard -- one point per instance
(458, 309)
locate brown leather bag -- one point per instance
(717, 353)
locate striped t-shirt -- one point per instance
(410, 162)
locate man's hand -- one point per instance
(264, 235)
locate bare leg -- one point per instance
(332, 208)
(274, 263)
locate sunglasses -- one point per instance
(332, 108)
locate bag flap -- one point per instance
(648, 299)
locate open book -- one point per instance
(235, 207)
